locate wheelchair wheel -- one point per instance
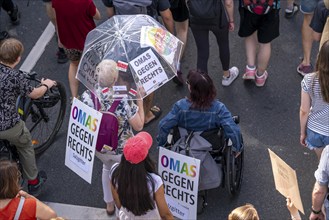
(44, 117)
(233, 171)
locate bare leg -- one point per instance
(251, 44)
(74, 83)
(263, 57)
(318, 152)
(181, 33)
(148, 102)
(307, 39)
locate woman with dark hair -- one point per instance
(200, 112)
(11, 196)
(137, 189)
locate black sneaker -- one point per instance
(14, 16)
(290, 13)
(36, 189)
(179, 78)
(4, 35)
(61, 57)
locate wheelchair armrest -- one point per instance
(236, 119)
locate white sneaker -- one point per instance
(234, 72)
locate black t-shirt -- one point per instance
(159, 5)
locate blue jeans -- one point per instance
(316, 140)
(308, 6)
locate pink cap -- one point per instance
(137, 147)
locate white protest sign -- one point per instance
(81, 139)
(180, 175)
(149, 71)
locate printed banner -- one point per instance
(285, 179)
(180, 175)
(149, 71)
(81, 139)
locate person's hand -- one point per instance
(319, 216)
(302, 140)
(291, 207)
(231, 26)
(50, 83)
(140, 92)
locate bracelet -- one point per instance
(316, 212)
(45, 85)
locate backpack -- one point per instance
(132, 7)
(108, 130)
(259, 7)
(206, 12)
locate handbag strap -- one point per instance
(19, 208)
(98, 104)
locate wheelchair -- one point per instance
(221, 151)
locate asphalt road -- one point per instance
(269, 119)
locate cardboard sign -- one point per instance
(180, 175)
(81, 139)
(149, 71)
(285, 179)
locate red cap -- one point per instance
(137, 147)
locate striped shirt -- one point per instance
(318, 119)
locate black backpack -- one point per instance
(208, 12)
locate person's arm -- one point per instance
(162, 204)
(40, 91)
(318, 196)
(97, 16)
(115, 197)
(293, 210)
(304, 111)
(317, 36)
(137, 121)
(168, 20)
(43, 211)
(110, 11)
(229, 6)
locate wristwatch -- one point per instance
(316, 212)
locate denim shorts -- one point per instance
(308, 6)
(316, 140)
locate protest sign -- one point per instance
(180, 175)
(285, 179)
(149, 71)
(81, 139)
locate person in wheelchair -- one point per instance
(201, 111)
(13, 83)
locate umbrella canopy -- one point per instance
(145, 53)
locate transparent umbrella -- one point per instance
(146, 55)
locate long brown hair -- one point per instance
(9, 179)
(322, 68)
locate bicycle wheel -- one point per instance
(45, 116)
(233, 171)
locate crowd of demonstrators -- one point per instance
(61, 56)
(258, 31)
(11, 197)
(12, 84)
(145, 198)
(152, 112)
(314, 107)
(73, 27)
(130, 116)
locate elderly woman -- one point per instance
(11, 197)
(200, 112)
(129, 114)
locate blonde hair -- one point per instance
(246, 212)
(107, 73)
(10, 50)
